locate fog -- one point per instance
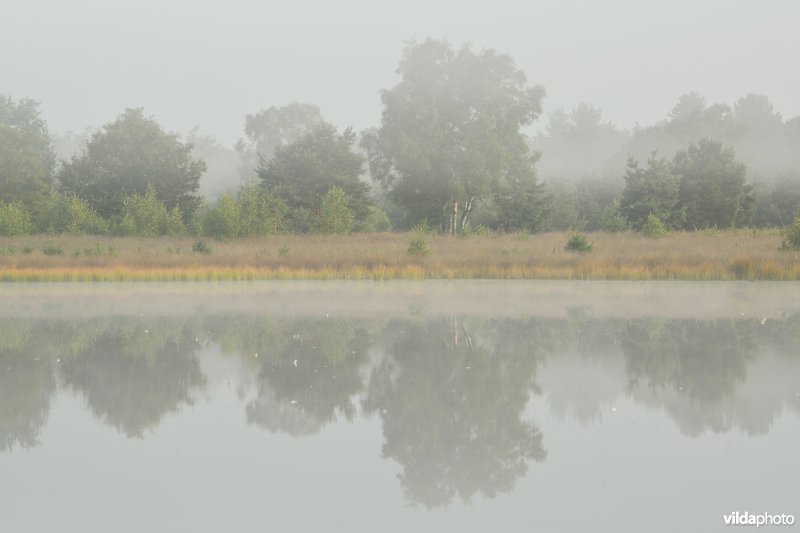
(208, 63)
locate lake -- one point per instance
(398, 406)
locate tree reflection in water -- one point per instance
(450, 393)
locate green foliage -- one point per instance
(451, 131)
(14, 219)
(301, 220)
(26, 156)
(793, 232)
(654, 190)
(422, 227)
(145, 216)
(418, 246)
(653, 227)
(563, 211)
(127, 157)
(519, 203)
(713, 191)
(224, 220)
(62, 213)
(578, 243)
(52, 250)
(612, 219)
(272, 128)
(335, 215)
(200, 246)
(260, 213)
(303, 172)
(283, 251)
(375, 222)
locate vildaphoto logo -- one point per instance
(764, 519)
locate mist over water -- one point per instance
(408, 415)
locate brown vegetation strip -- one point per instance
(702, 255)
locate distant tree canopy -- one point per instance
(703, 186)
(269, 129)
(27, 159)
(126, 157)
(577, 144)
(303, 172)
(450, 132)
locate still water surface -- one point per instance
(462, 406)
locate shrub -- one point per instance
(418, 246)
(793, 233)
(52, 250)
(612, 219)
(578, 243)
(653, 227)
(146, 216)
(200, 246)
(14, 219)
(62, 213)
(283, 251)
(335, 215)
(260, 213)
(224, 221)
(376, 221)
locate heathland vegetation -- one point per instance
(449, 158)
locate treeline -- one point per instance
(450, 154)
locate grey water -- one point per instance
(408, 406)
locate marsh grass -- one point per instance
(718, 255)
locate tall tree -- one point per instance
(126, 157)
(271, 128)
(578, 143)
(27, 159)
(713, 191)
(652, 190)
(450, 131)
(303, 172)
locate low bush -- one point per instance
(653, 227)
(14, 219)
(578, 243)
(418, 246)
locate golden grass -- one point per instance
(702, 255)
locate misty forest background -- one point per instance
(451, 154)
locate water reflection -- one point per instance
(451, 396)
(450, 392)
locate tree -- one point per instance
(125, 158)
(654, 190)
(303, 172)
(577, 144)
(450, 131)
(269, 129)
(713, 191)
(335, 215)
(27, 159)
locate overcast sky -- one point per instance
(208, 63)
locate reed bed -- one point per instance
(701, 255)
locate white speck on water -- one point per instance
(763, 321)
(468, 368)
(146, 331)
(255, 354)
(58, 360)
(293, 402)
(613, 409)
(295, 363)
(384, 411)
